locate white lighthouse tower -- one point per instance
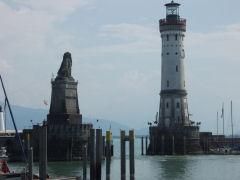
(174, 134)
(173, 110)
(2, 126)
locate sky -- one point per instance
(116, 52)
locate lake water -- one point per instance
(200, 167)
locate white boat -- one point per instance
(5, 173)
(3, 154)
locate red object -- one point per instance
(164, 22)
(36, 176)
(4, 168)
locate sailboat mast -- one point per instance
(232, 122)
(223, 116)
(217, 127)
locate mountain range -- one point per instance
(26, 117)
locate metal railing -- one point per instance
(179, 21)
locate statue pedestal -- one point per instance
(64, 102)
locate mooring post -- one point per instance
(207, 146)
(123, 156)
(99, 154)
(43, 153)
(173, 145)
(184, 145)
(28, 141)
(153, 145)
(142, 144)
(162, 145)
(108, 154)
(85, 162)
(131, 155)
(103, 148)
(30, 163)
(78, 177)
(146, 143)
(92, 155)
(23, 174)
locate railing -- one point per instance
(180, 21)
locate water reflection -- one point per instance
(73, 168)
(170, 167)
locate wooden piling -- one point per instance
(103, 148)
(173, 145)
(28, 141)
(146, 144)
(23, 175)
(162, 145)
(85, 163)
(184, 145)
(92, 155)
(43, 153)
(131, 155)
(30, 163)
(142, 145)
(153, 138)
(98, 154)
(123, 156)
(108, 154)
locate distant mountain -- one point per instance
(26, 117)
(23, 116)
(106, 125)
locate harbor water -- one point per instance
(198, 167)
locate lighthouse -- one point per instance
(173, 110)
(2, 126)
(174, 132)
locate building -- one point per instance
(174, 132)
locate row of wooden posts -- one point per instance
(96, 155)
(154, 142)
(97, 149)
(42, 155)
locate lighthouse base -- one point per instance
(175, 140)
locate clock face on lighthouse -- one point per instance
(182, 53)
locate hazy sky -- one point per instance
(116, 51)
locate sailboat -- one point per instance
(5, 173)
(233, 150)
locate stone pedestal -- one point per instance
(64, 102)
(186, 140)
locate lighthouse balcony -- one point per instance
(174, 25)
(168, 21)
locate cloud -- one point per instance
(133, 80)
(125, 38)
(59, 9)
(5, 66)
(129, 32)
(30, 39)
(222, 44)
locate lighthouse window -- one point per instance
(167, 83)
(176, 68)
(176, 53)
(167, 37)
(167, 105)
(178, 105)
(167, 53)
(176, 37)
